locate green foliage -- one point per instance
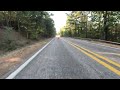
(102, 25)
(9, 45)
(32, 24)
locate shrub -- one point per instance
(8, 45)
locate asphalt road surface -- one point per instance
(61, 59)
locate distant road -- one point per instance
(68, 58)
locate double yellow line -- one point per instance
(96, 58)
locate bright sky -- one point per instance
(59, 18)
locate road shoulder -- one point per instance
(100, 42)
(12, 60)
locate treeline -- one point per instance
(103, 25)
(31, 24)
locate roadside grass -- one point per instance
(13, 59)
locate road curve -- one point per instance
(60, 60)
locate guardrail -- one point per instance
(116, 43)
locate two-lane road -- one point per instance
(63, 60)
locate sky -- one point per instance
(59, 18)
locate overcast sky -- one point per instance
(59, 18)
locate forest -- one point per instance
(32, 25)
(104, 25)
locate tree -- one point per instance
(32, 24)
(102, 25)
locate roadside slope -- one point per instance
(12, 60)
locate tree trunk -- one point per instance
(27, 35)
(105, 29)
(7, 22)
(18, 26)
(100, 31)
(86, 29)
(9, 18)
(78, 32)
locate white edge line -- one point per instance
(12, 75)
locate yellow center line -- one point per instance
(104, 58)
(98, 60)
